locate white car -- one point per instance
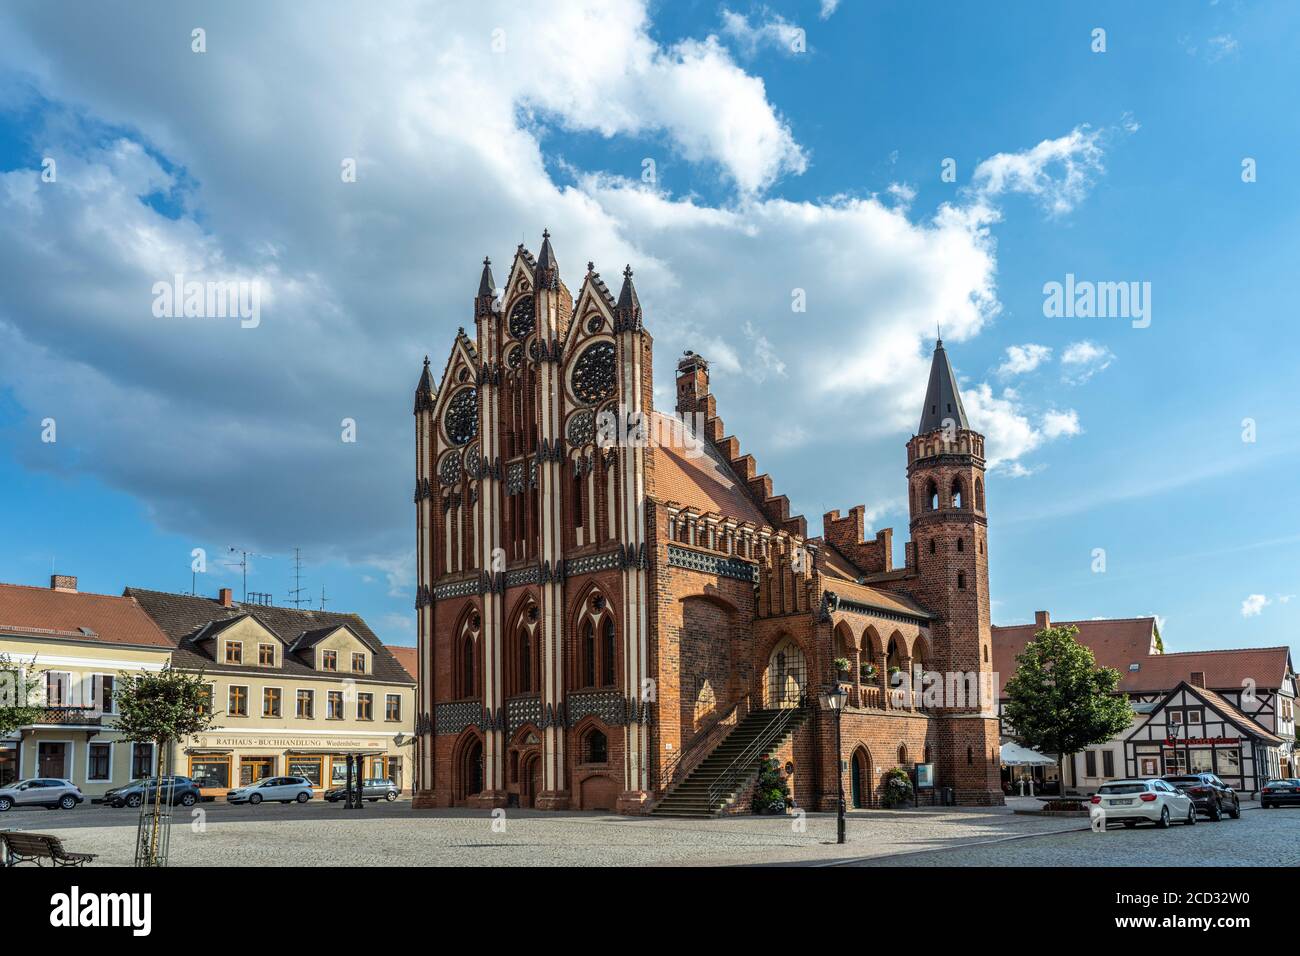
(1132, 801)
(281, 789)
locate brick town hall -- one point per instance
(614, 622)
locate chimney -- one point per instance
(224, 596)
(63, 582)
(692, 383)
(1198, 679)
(1042, 620)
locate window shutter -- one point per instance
(96, 691)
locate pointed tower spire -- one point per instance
(942, 401)
(628, 313)
(548, 273)
(486, 285)
(424, 391)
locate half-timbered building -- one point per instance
(617, 609)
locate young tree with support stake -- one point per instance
(160, 708)
(1060, 701)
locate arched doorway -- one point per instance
(787, 675)
(530, 779)
(470, 770)
(860, 779)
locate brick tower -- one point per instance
(949, 531)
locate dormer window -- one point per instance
(358, 663)
(266, 655)
(329, 660)
(234, 652)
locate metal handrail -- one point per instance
(775, 729)
(668, 771)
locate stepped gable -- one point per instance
(704, 482)
(693, 398)
(847, 535)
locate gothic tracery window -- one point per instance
(593, 373)
(523, 318)
(461, 420)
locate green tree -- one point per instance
(161, 708)
(1060, 701)
(19, 702)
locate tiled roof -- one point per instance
(408, 657)
(1226, 669)
(876, 598)
(98, 618)
(183, 616)
(704, 482)
(1225, 709)
(1115, 642)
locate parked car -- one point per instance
(49, 792)
(1211, 795)
(1280, 793)
(1132, 801)
(373, 790)
(282, 789)
(183, 790)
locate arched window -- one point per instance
(957, 493)
(979, 495)
(577, 501)
(961, 580)
(902, 755)
(595, 747)
(931, 496)
(932, 545)
(525, 660)
(467, 667)
(607, 653)
(960, 546)
(927, 753)
(588, 655)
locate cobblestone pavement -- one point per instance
(393, 834)
(1259, 838)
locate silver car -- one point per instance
(281, 789)
(50, 792)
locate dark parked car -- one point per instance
(373, 790)
(1211, 795)
(1280, 793)
(184, 792)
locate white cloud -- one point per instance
(1221, 46)
(773, 31)
(1057, 172)
(1057, 424)
(1007, 425)
(1082, 360)
(235, 432)
(1254, 605)
(1023, 358)
(828, 8)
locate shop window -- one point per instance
(237, 701)
(1229, 762)
(210, 772)
(99, 758)
(310, 767)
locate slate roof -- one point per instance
(942, 399)
(106, 618)
(182, 618)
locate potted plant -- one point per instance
(894, 671)
(842, 665)
(898, 788)
(867, 670)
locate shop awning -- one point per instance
(1014, 755)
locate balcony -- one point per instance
(71, 717)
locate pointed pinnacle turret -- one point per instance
(942, 400)
(629, 306)
(424, 391)
(486, 285)
(548, 272)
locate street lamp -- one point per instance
(833, 700)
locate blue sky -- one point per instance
(775, 169)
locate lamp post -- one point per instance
(833, 700)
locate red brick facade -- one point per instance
(602, 597)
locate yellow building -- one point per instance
(77, 645)
(293, 691)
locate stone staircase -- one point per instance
(731, 766)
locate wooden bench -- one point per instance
(34, 847)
